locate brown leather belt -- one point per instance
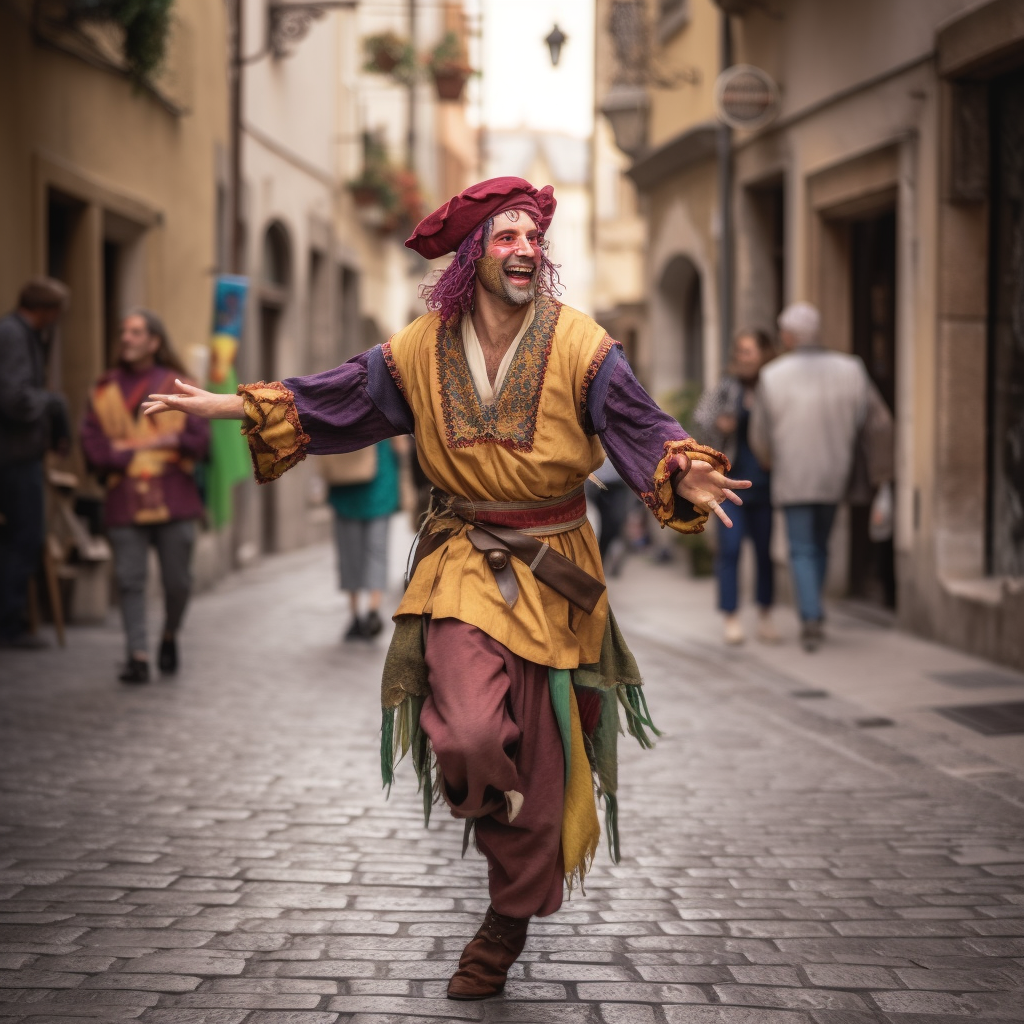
(498, 543)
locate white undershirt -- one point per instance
(478, 365)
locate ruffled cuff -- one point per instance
(276, 439)
(669, 508)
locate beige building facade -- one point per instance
(109, 186)
(886, 190)
(656, 206)
(119, 190)
(123, 189)
(896, 165)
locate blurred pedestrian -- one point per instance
(33, 421)
(723, 415)
(612, 502)
(362, 516)
(809, 409)
(146, 463)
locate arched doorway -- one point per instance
(275, 283)
(681, 294)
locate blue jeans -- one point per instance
(753, 521)
(808, 528)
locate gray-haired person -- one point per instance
(33, 420)
(809, 407)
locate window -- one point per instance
(276, 257)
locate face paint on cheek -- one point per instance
(488, 269)
(502, 252)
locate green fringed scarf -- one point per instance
(616, 676)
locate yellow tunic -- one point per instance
(529, 445)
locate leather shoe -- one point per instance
(136, 671)
(484, 966)
(355, 630)
(168, 657)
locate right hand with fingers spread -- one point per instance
(706, 487)
(196, 402)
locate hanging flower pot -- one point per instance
(448, 67)
(365, 195)
(450, 83)
(388, 54)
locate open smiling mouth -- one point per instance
(520, 275)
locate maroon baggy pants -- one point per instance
(493, 729)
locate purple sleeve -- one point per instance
(352, 406)
(633, 430)
(194, 440)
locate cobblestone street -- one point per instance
(217, 848)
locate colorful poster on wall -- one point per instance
(229, 453)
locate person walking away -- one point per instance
(809, 409)
(362, 516)
(145, 463)
(33, 421)
(611, 497)
(723, 414)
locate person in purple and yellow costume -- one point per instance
(146, 464)
(505, 655)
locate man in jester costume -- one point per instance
(507, 675)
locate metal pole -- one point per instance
(725, 241)
(235, 257)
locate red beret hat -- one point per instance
(445, 229)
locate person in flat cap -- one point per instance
(506, 671)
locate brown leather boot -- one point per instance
(490, 953)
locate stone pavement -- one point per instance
(218, 848)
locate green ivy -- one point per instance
(146, 25)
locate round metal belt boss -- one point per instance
(497, 560)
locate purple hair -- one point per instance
(452, 293)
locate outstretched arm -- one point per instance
(681, 481)
(342, 410)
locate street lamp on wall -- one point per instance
(555, 39)
(628, 109)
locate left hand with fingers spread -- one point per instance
(196, 402)
(706, 487)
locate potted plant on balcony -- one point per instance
(367, 188)
(387, 197)
(447, 65)
(371, 189)
(145, 26)
(389, 54)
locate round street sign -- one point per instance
(746, 97)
